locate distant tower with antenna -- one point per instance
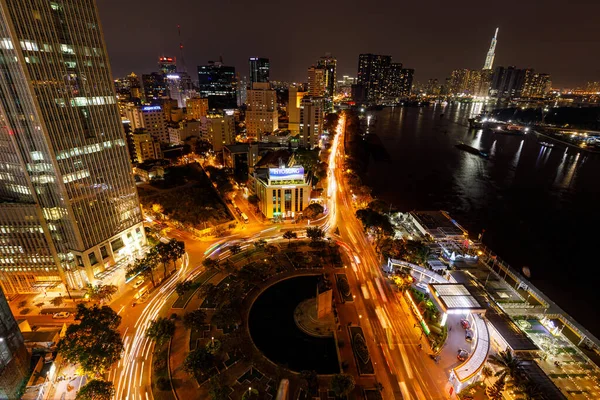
(181, 57)
(489, 59)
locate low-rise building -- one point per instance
(283, 192)
(145, 147)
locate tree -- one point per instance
(160, 330)
(96, 389)
(312, 384)
(194, 319)
(487, 372)
(198, 362)
(289, 235)
(217, 389)
(211, 264)
(510, 366)
(57, 301)
(315, 233)
(177, 250)
(254, 200)
(342, 384)
(100, 292)
(530, 391)
(183, 287)
(313, 211)
(494, 392)
(163, 253)
(157, 209)
(235, 248)
(94, 343)
(260, 243)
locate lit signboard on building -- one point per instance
(151, 108)
(286, 174)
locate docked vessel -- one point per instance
(472, 150)
(546, 144)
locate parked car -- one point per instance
(138, 283)
(465, 324)
(462, 354)
(468, 335)
(62, 314)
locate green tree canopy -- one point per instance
(342, 384)
(315, 233)
(198, 362)
(289, 235)
(160, 330)
(94, 342)
(100, 292)
(313, 211)
(96, 389)
(194, 319)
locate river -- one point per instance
(538, 205)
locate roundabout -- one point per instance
(276, 332)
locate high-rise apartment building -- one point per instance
(536, 85)
(259, 70)
(167, 65)
(145, 147)
(149, 118)
(295, 96)
(394, 81)
(218, 129)
(218, 83)
(507, 82)
(406, 80)
(196, 107)
(316, 81)
(329, 65)
(261, 114)
(311, 120)
(373, 76)
(14, 359)
(69, 207)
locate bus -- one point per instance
(245, 218)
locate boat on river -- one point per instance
(472, 150)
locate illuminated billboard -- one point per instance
(286, 174)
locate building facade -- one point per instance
(149, 118)
(155, 86)
(145, 147)
(261, 114)
(311, 120)
(218, 129)
(69, 204)
(167, 65)
(329, 65)
(196, 107)
(316, 81)
(14, 359)
(259, 69)
(373, 76)
(295, 96)
(283, 192)
(218, 83)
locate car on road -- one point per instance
(465, 324)
(468, 335)
(60, 315)
(462, 354)
(138, 283)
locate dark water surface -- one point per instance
(539, 206)
(275, 333)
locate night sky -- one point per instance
(554, 36)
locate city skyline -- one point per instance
(433, 52)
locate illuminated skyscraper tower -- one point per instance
(489, 59)
(69, 207)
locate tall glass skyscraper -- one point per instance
(259, 70)
(68, 203)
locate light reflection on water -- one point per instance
(535, 202)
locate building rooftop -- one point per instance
(40, 336)
(455, 296)
(438, 224)
(510, 332)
